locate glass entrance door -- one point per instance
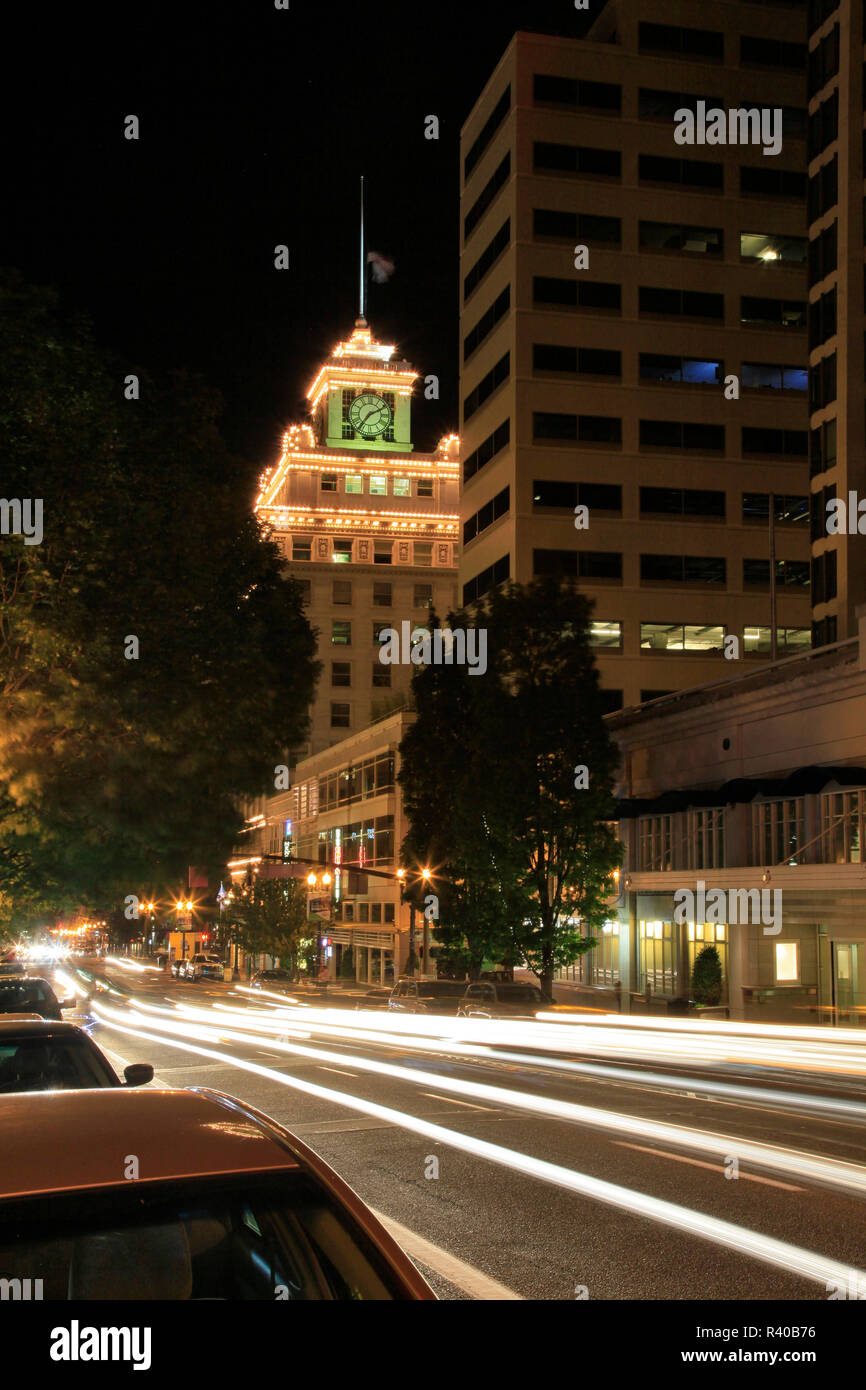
(849, 983)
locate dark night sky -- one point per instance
(256, 125)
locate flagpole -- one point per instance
(362, 247)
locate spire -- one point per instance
(361, 319)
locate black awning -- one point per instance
(805, 781)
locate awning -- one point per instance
(806, 781)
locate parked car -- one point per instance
(28, 994)
(487, 999)
(279, 981)
(36, 1055)
(410, 996)
(228, 1205)
(202, 966)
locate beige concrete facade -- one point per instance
(553, 165)
(836, 232)
(343, 815)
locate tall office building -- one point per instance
(836, 304)
(369, 528)
(613, 282)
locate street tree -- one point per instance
(155, 664)
(272, 920)
(512, 782)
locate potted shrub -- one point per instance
(707, 977)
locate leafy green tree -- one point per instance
(273, 921)
(511, 776)
(707, 976)
(121, 766)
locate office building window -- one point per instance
(487, 450)
(486, 324)
(488, 258)
(822, 447)
(824, 62)
(772, 53)
(605, 497)
(682, 569)
(779, 443)
(342, 552)
(341, 716)
(772, 183)
(682, 637)
(423, 552)
(695, 371)
(549, 157)
(382, 596)
(771, 249)
(490, 512)
(761, 376)
(679, 41)
(656, 104)
(342, 591)
(487, 579)
(584, 564)
(790, 641)
(678, 434)
(567, 91)
(577, 227)
(329, 482)
(823, 191)
(586, 429)
(341, 673)
(680, 237)
(354, 484)
(655, 842)
(577, 293)
(789, 509)
(607, 635)
(486, 386)
(678, 501)
(302, 550)
(423, 596)
(424, 487)
(487, 132)
(695, 304)
(487, 196)
(383, 552)
(772, 313)
(381, 676)
(843, 822)
(341, 633)
(401, 487)
(689, 173)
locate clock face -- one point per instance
(370, 415)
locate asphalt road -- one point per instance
(495, 1230)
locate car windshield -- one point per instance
(259, 1237)
(441, 989)
(38, 1063)
(519, 994)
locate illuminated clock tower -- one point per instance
(368, 526)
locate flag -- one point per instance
(197, 877)
(382, 268)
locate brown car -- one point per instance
(169, 1194)
(410, 996)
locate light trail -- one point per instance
(792, 1162)
(791, 1258)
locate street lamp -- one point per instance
(313, 881)
(181, 907)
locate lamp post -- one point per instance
(182, 907)
(314, 881)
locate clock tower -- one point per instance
(361, 398)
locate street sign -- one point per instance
(184, 923)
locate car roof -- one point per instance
(32, 1024)
(23, 979)
(174, 1134)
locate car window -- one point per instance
(442, 989)
(38, 1063)
(487, 992)
(14, 994)
(519, 994)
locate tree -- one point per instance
(123, 761)
(707, 976)
(509, 777)
(273, 921)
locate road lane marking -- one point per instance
(793, 1259)
(464, 1276)
(338, 1072)
(713, 1167)
(452, 1101)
